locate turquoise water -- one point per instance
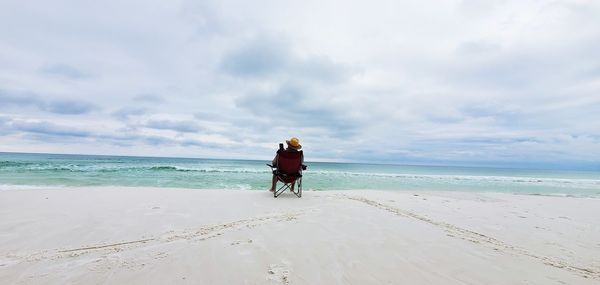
(25, 170)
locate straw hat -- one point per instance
(294, 143)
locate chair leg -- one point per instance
(281, 190)
(299, 191)
(287, 186)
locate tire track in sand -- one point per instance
(478, 238)
(198, 234)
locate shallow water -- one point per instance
(29, 170)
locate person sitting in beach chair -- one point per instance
(287, 167)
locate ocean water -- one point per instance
(19, 170)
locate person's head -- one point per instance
(294, 143)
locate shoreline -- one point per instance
(16, 187)
(143, 235)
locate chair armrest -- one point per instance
(270, 165)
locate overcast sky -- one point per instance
(506, 83)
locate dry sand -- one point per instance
(119, 235)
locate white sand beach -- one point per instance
(120, 235)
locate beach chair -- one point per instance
(288, 169)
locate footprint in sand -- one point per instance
(279, 273)
(160, 255)
(241, 241)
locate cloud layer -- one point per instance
(503, 83)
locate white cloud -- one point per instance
(394, 81)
